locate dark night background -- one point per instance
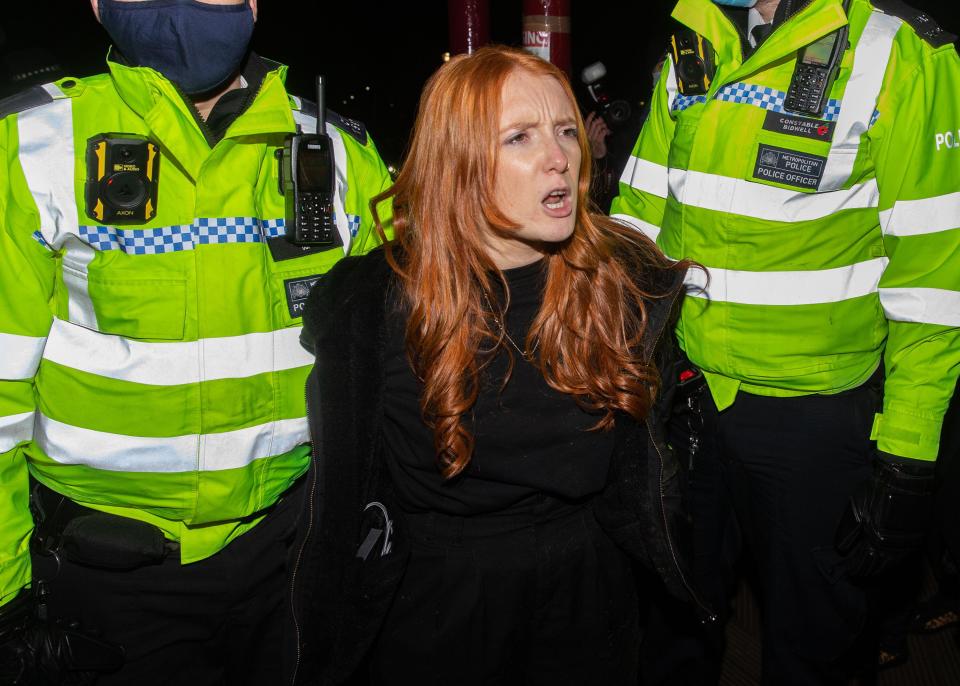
(375, 55)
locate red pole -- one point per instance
(546, 30)
(469, 25)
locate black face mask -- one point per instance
(196, 45)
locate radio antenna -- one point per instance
(321, 109)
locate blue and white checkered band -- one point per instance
(273, 227)
(164, 239)
(749, 94)
(682, 102)
(236, 230)
(831, 112)
(353, 222)
(203, 231)
(139, 241)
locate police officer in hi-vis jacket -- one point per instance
(806, 152)
(152, 413)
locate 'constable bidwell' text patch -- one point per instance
(792, 125)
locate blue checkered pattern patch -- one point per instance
(832, 110)
(227, 230)
(767, 98)
(682, 102)
(273, 228)
(139, 241)
(353, 222)
(165, 239)
(748, 94)
(758, 96)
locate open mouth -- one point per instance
(557, 199)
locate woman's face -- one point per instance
(538, 167)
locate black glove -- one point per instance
(888, 517)
(35, 652)
(15, 654)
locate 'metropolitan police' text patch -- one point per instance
(789, 167)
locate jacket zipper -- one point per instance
(208, 136)
(202, 123)
(303, 545)
(709, 617)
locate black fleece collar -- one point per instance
(233, 103)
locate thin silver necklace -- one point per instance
(503, 329)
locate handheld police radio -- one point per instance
(307, 182)
(817, 67)
(122, 176)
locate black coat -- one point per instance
(350, 552)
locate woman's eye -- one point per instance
(517, 138)
(570, 131)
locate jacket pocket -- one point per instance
(123, 304)
(140, 308)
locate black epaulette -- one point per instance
(922, 23)
(351, 126)
(24, 100)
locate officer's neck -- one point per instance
(767, 8)
(206, 105)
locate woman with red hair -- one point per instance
(487, 458)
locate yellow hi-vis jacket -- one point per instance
(155, 371)
(831, 244)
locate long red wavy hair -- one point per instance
(593, 315)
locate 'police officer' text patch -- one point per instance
(297, 292)
(789, 167)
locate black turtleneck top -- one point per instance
(533, 444)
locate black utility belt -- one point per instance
(92, 538)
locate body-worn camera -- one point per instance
(693, 58)
(308, 184)
(122, 176)
(614, 112)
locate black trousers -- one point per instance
(216, 621)
(948, 474)
(776, 474)
(515, 599)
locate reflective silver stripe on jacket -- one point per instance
(48, 157)
(859, 101)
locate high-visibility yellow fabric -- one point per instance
(155, 371)
(832, 245)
